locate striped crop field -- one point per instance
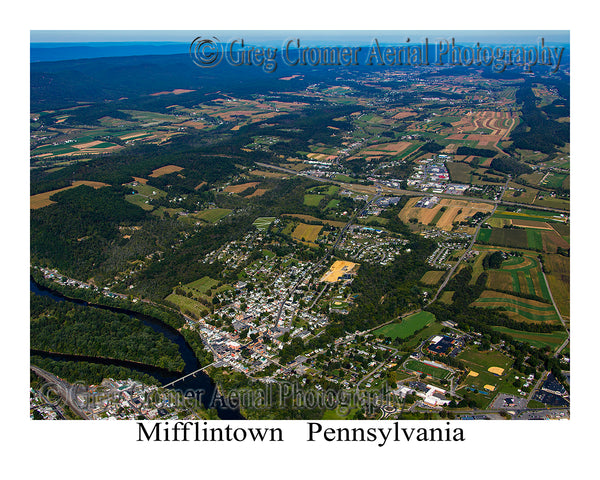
(520, 309)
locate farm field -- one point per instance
(306, 233)
(558, 277)
(432, 277)
(520, 309)
(407, 326)
(43, 199)
(539, 340)
(159, 172)
(455, 211)
(529, 214)
(237, 189)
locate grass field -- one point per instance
(188, 305)
(262, 223)
(539, 340)
(459, 172)
(312, 199)
(421, 367)
(407, 326)
(203, 284)
(213, 215)
(432, 277)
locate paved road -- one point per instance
(327, 254)
(564, 344)
(398, 191)
(62, 388)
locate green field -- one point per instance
(213, 215)
(508, 237)
(407, 326)
(421, 367)
(140, 201)
(188, 305)
(262, 223)
(203, 285)
(523, 309)
(539, 340)
(312, 200)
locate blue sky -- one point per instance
(185, 36)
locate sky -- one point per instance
(185, 36)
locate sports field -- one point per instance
(407, 326)
(421, 367)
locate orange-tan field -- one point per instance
(338, 269)
(240, 188)
(43, 199)
(165, 170)
(455, 211)
(306, 233)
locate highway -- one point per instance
(64, 389)
(370, 189)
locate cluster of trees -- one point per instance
(92, 373)
(492, 260)
(510, 166)
(477, 152)
(536, 131)
(65, 327)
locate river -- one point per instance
(200, 383)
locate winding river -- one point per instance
(198, 383)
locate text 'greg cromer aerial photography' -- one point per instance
(300, 225)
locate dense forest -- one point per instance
(536, 131)
(65, 327)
